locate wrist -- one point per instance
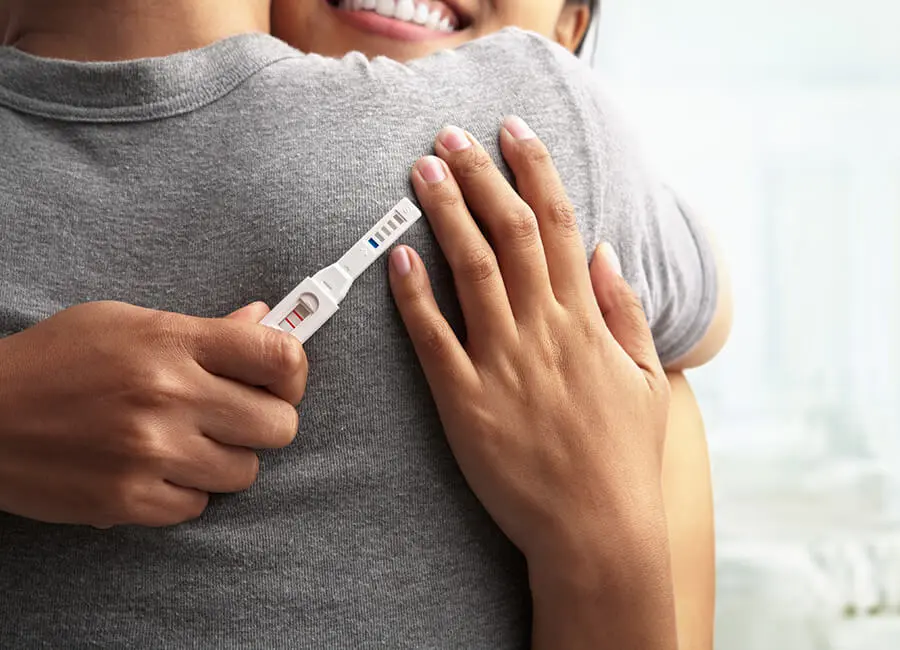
(610, 588)
(624, 520)
(612, 549)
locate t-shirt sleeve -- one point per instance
(665, 253)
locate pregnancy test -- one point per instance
(312, 302)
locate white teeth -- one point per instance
(411, 11)
(406, 9)
(421, 16)
(434, 19)
(386, 8)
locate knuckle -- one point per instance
(127, 499)
(166, 329)
(246, 474)
(635, 318)
(286, 353)
(414, 293)
(477, 265)
(561, 214)
(174, 510)
(288, 420)
(537, 154)
(475, 163)
(252, 469)
(163, 387)
(195, 506)
(520, 225)
(444, 197)
(159, 321)
(551, 352)
(297, 393)
(434, 338)
(139, 439)
(296, 363)
(149, 446)
(589, 329)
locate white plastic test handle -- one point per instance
(289, 315)
(305, 309)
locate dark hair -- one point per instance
(593, 3)
(594, 6)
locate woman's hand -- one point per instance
(556, 406)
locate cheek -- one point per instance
(534, 15)
(310, 26)
(291, 19)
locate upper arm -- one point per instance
(719, 328)
(689, 290)
(667, 254)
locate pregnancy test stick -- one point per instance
(312, 302)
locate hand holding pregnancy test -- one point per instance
(312, 302)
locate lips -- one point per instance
(434, 15)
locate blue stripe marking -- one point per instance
(373, 243)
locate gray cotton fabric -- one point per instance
(200, 182)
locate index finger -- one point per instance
(250, 353)
(538, 182)
(509, 220)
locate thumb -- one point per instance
(622, 310)
(291, 389)
(252, 313)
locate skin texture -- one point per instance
(687, 492)
(4, 19)
(311, 25)
(525, 404)
(182, 412)
(314, 26)
(115, 30)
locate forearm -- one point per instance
(687, 493)
(615, 593)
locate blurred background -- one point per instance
(778, 120)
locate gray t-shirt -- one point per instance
(199, 182)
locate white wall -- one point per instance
(780, 121)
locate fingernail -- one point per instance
(431, 169)
(454, 138)
(611, 257)
(401, 262)
(518, 128)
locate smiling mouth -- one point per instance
(432, 16)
